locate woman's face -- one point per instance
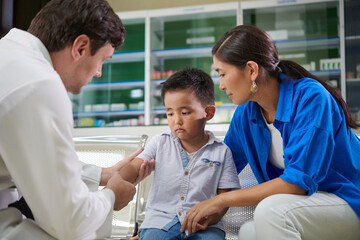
(234, 81)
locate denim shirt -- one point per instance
(320, 152)
(178, 185)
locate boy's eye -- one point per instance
(186, 113)
(170, 114)
(221, 75)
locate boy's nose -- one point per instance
(178, 120)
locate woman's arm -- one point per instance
(214, 218)
(238, 198)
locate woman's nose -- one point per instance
(221, 86)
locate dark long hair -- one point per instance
(60, 22)
(248, 43)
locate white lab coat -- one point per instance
(36, 148)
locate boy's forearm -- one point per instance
(130, 172)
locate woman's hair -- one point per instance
(60, 22)
(191, 78)
(248, 43)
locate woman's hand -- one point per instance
(199, 216)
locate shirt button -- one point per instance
(182, 198)
(179, 213)
(186, 173)
(211, 164)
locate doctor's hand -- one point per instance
(106, 173)
(201, 215)
(124, 191)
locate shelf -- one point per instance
(114, 85)
(286, 45)
(323, 73)
(127, 57)
(353, 80)
(183, 52)
(311, 44)
(355, 37)
(109, 113)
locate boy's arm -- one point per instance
(130, 171)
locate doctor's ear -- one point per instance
(80, 46)
(210, 112)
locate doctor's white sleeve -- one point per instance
(38, 150)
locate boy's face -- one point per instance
(185, 114)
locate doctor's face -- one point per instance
(88, 67)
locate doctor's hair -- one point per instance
(60, 22)
(246, 43)
(191, 78)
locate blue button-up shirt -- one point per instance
(320, 152)
(178, 184)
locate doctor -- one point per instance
(64, 47)
(294, 131)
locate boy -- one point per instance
(191, 165)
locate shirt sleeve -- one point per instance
(39, 153)
(309, 149)
(91, 175)
(233, 141)
(150, 149)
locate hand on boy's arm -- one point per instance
(106, 173)
(203, 214)
(137, 170)
(123, 190)
(145, 170)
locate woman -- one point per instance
(295, 132)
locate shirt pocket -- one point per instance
(205, 176)
(207, 168)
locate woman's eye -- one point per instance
(186, 113)
(170, 114)
(221, 75)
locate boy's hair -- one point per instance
(191, 78)
(60, 22)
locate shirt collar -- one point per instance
(30, 41)
(283, 110)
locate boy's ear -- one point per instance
(210, 112)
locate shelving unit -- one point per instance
(184, 37)
(160, 42)
(307, 32)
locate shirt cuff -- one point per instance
(91, 175)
